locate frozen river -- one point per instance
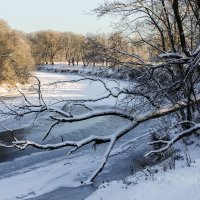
(34, 174)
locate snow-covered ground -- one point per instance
(182, 183)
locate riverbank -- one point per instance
(123, 73)
(181, 182)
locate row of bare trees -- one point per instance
(50, 46)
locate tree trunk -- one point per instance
(169, 29)
(175, 6)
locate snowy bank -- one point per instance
(182, 183)
(122, 73)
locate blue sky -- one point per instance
(62, 15)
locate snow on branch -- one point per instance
(94, 114)
(169, 143)
(170, 56)
(197, 50)
(96, 139)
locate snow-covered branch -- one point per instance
(94, 114)
(169, 143)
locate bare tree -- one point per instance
(46, 45)
(72, 47)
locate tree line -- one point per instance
(50, 46)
